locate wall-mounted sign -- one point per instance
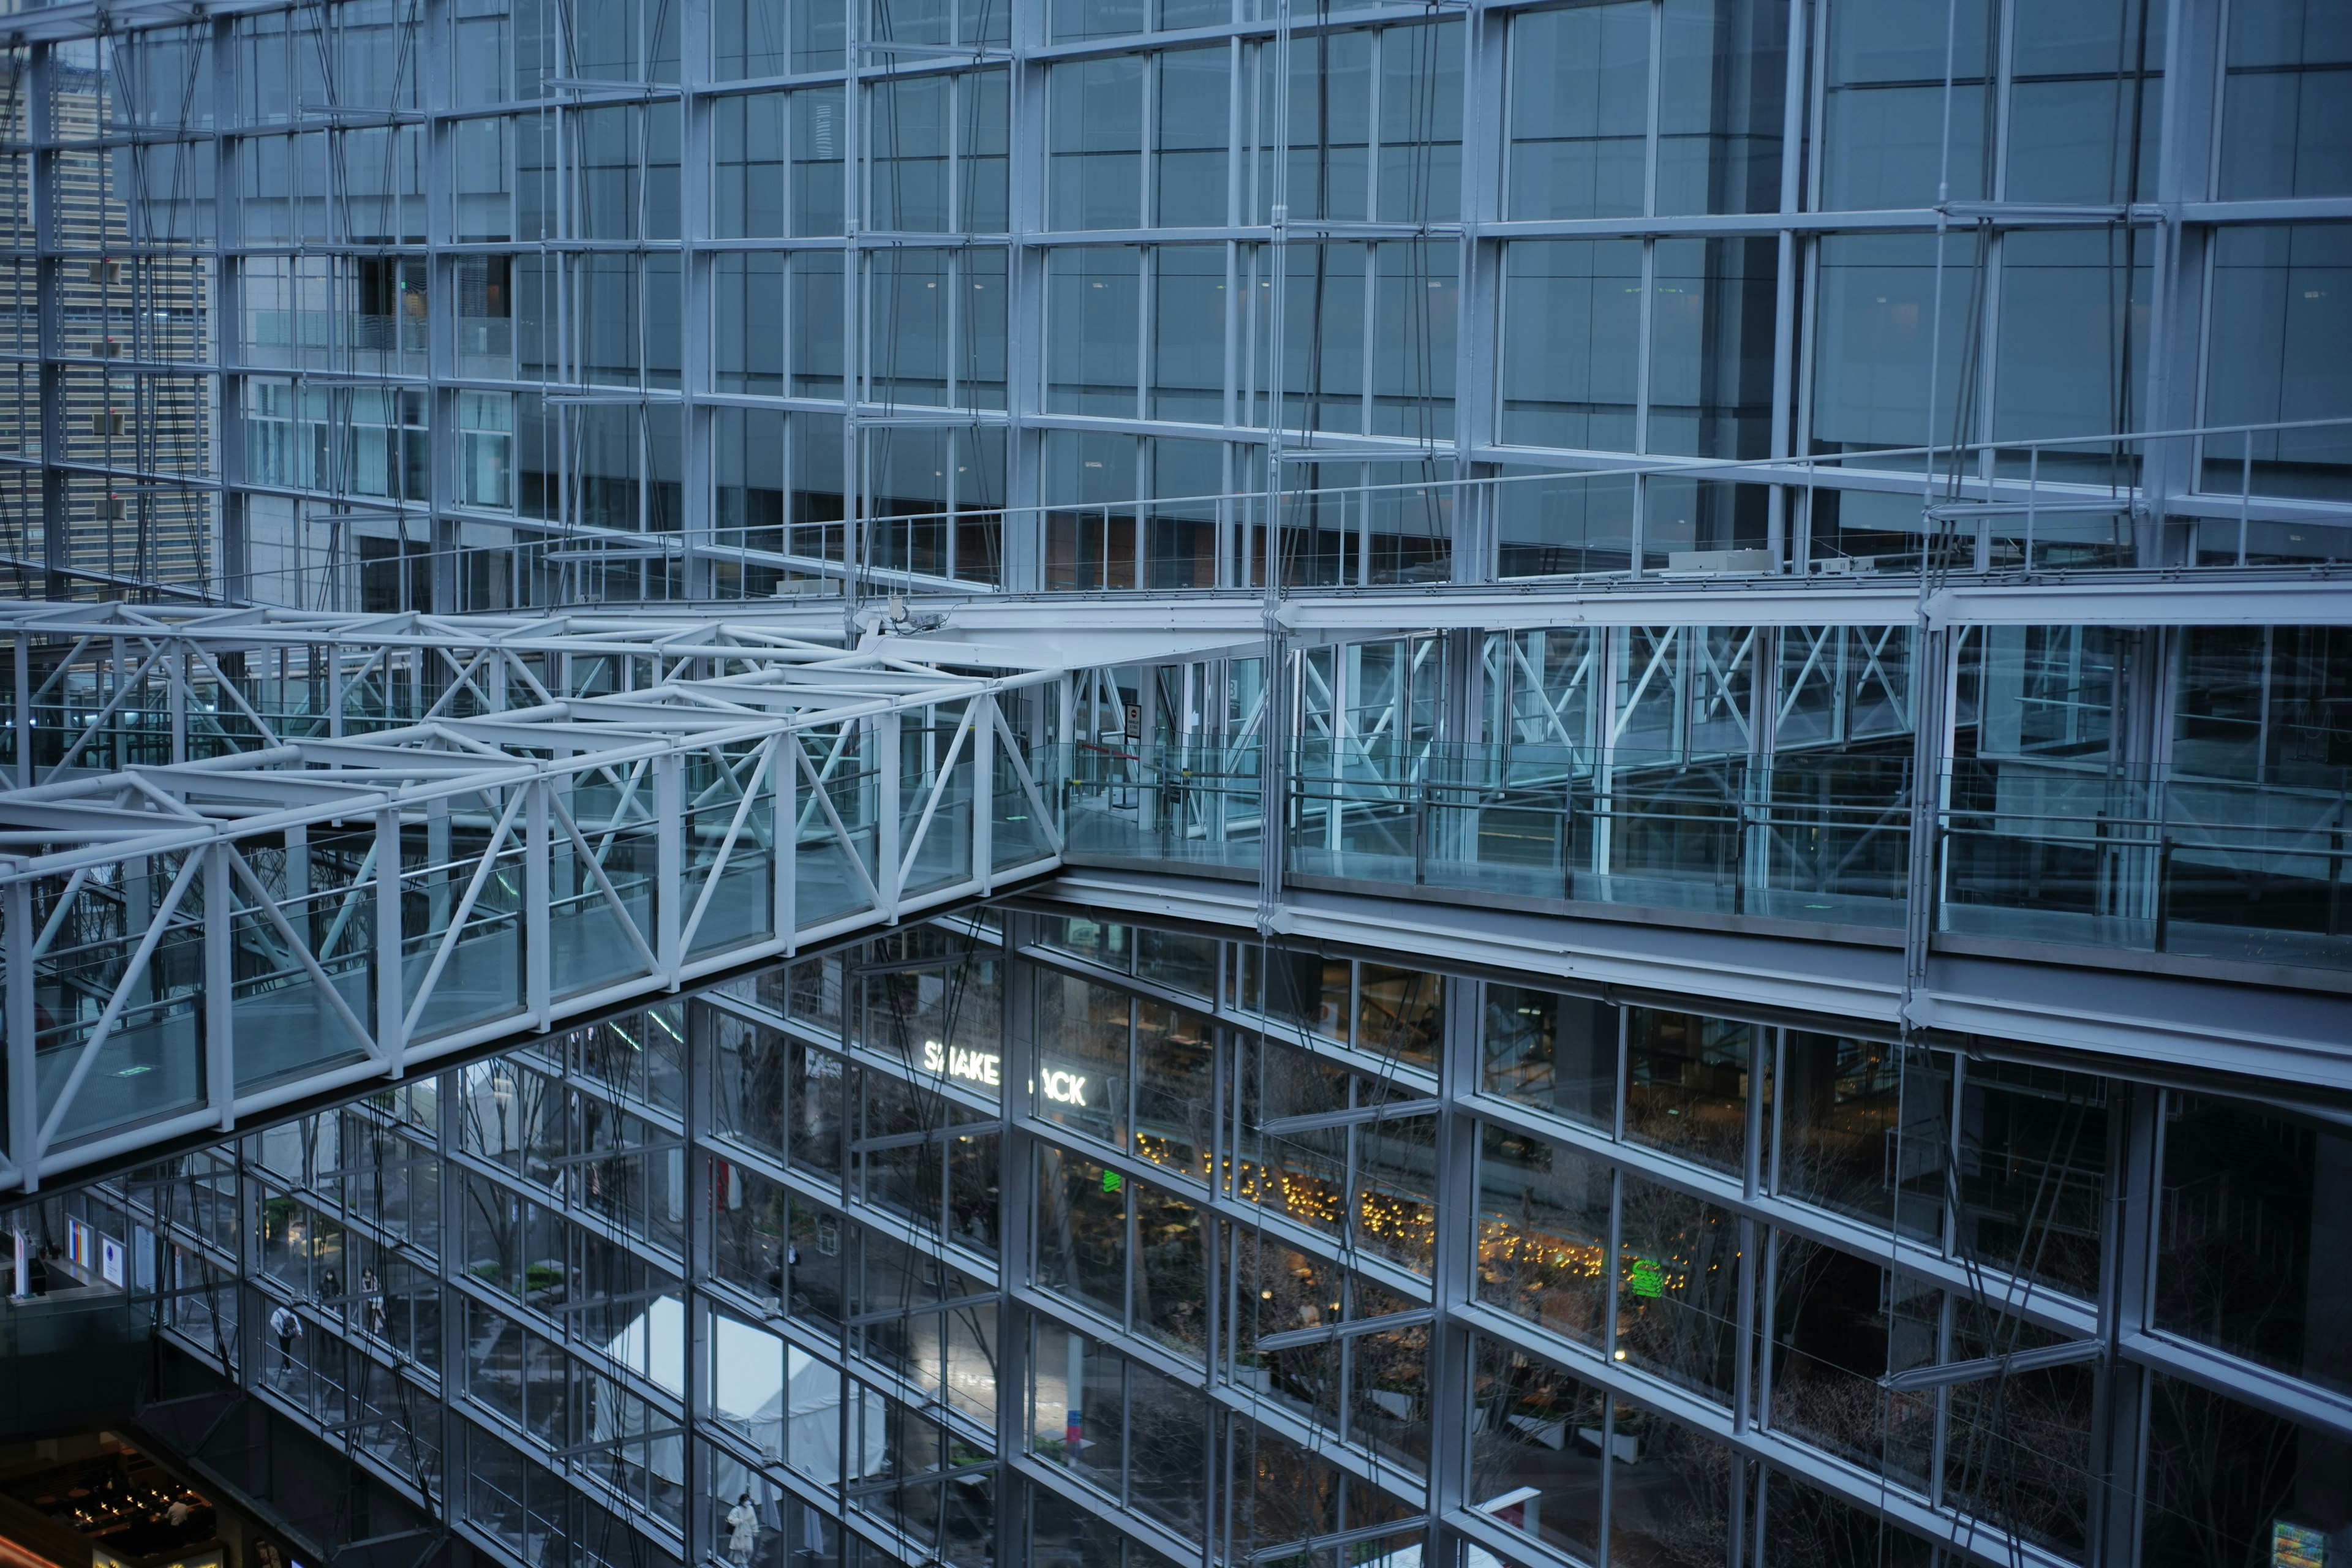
(110, 1261)
(953, 1061)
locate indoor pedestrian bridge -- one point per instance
(256, 857)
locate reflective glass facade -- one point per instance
(465, 304)
(1017, 1238)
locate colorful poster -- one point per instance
(2297, 1546)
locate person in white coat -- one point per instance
(743, 1528)
(288, 1327)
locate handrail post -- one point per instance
(785, 767)
(390, 990)
(539, 936)
(669, 862)
(24, 1021)
(888, 730)
(2163, 890)
(23, 713)
(2335, 878)
(983, 793)
(220, 986)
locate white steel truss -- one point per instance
(222, 897)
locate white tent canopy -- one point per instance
(785, 1401)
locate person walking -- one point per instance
(288, 1327)
(372, 1300)
(744, 1525)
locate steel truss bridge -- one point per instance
(254, 858)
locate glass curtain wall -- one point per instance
(1018, 1238)
(644, 299)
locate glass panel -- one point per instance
(1579, 112)
(1898, 71)
(911, 121)
(1722, 76)
(2084, 102)
(1669, 1489)
(1864, 1127)
(2033, 1182)
(1171, 1271)
(2281, 339)
(1539, 1449)
(1174, 1083)
(1842, 1325)
(2073, 323)
(1093, 314)
(1571, 349)
(1802, 1524)
(1874, 338)
(2283, 129)
(2017, 1450)
(1687, 1079)
(1191, 137)
(1555, 525)
(1082, 1030)
(2227, 1483)
(1678, 1265)
(1711, 347)
(1094, 114)
(1558, 1052)
(2252, 1252)
(1188, 343)
(1543, 1233)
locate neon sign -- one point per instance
(973, 1067)
(986, 1068)
(1065, 1088)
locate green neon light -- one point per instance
(1646, 1278)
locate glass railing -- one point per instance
(740, 907)
(2031, 849)
(1025, 817)
(1819, 838)
(80, 1320)
(2058, 850)
(935, 822)
(481, 978)
(1195, 805)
